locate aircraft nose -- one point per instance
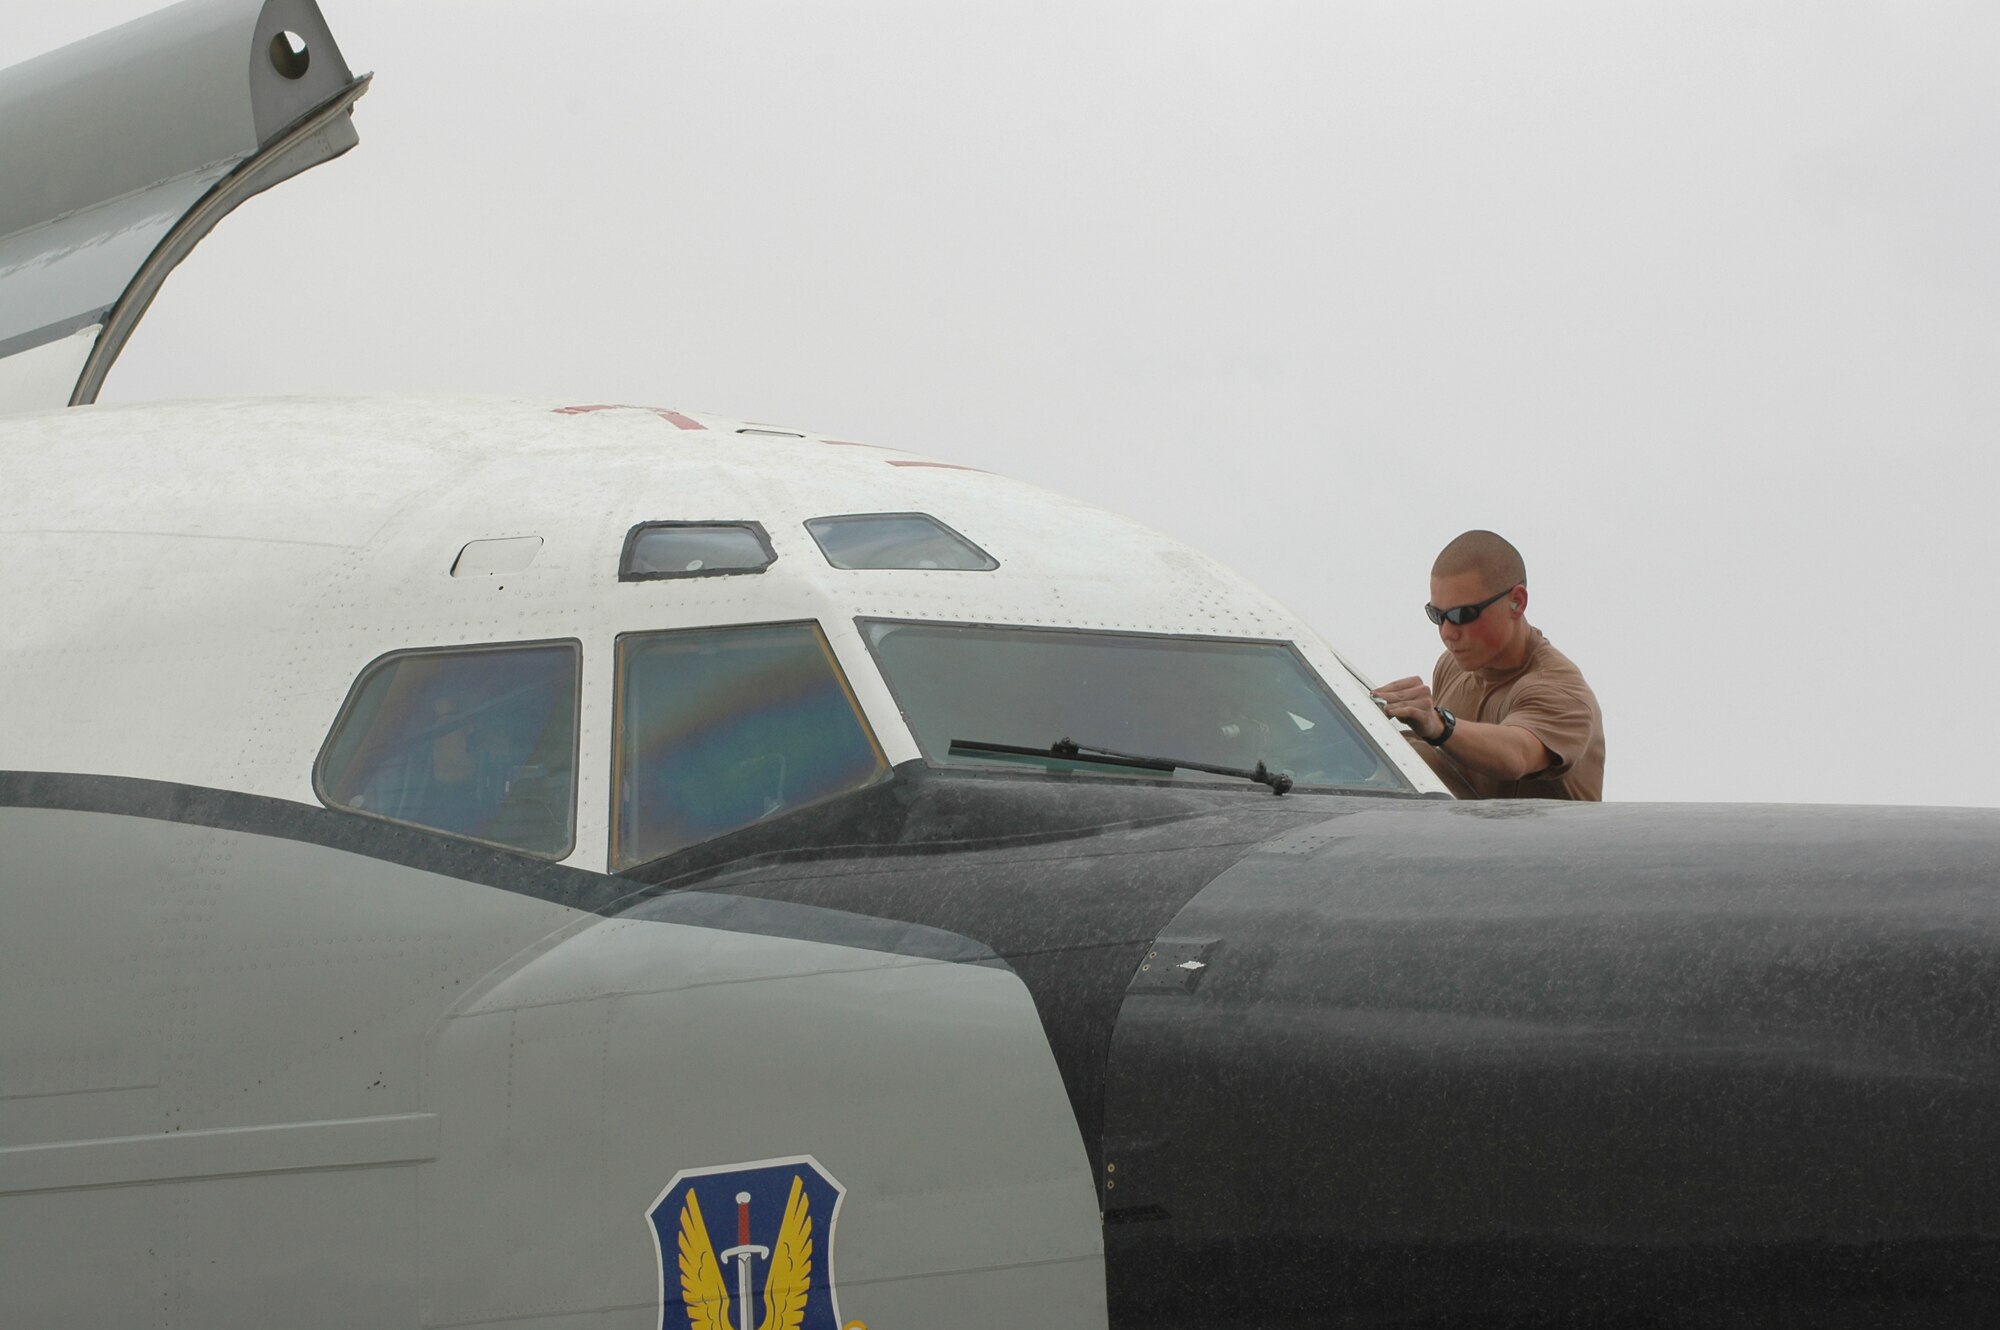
(1415, 1066)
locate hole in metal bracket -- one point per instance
(289, 55)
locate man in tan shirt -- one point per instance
(1506, 716)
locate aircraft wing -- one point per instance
(120, 152)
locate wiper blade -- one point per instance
(1070, 748)
(1065, 748)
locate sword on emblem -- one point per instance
(741, 1254)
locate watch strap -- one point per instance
(1450, 724)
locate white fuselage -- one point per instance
(193, 588)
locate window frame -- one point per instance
(755, 528)
(1312, 675)
(463, 648)
(884, 769)
(946, 527)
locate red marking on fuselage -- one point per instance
(674, 418)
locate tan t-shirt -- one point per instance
(1547, 697)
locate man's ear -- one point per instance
(1520, 600)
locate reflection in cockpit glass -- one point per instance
(896, 540)
(478, 741)
(722, 727)
(694, 549)
(1227, 703)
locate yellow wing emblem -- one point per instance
(704, 1291)
(791, 1265)
(702, 1288)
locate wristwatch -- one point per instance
(1450, 724)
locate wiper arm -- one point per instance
(1277, 780)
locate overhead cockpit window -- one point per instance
(722, 727)
(476, 741)
(1187, 699)
(896, 540)
(694, 549)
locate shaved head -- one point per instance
(1497, 563)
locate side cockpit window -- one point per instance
(475, 741)
(719, 728)
(896, 540)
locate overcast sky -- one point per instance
(1698, 304)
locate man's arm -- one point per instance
(1503, 752)
(1453, 775)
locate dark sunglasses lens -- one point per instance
(1463, 614)
(1434, 614)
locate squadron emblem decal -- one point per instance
(748, 1247)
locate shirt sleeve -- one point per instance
(1559, 713)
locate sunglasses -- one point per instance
(1461, 614)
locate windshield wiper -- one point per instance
(1070, 748)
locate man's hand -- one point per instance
(1409, 700)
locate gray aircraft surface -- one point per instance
(570, 864)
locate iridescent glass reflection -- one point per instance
(719, 728)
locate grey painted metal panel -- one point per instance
(286, 1147)
(210, 1069)
(112, 1006)
(369, 1094)
(240, 1253)
(639, 1049)
(121, 151)
(83, 124)
(269, 981)
(67, 273)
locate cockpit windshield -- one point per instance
(722, 727)
(1220, 702)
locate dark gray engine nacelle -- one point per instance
(1533, 1064)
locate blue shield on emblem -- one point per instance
(748, 1247)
